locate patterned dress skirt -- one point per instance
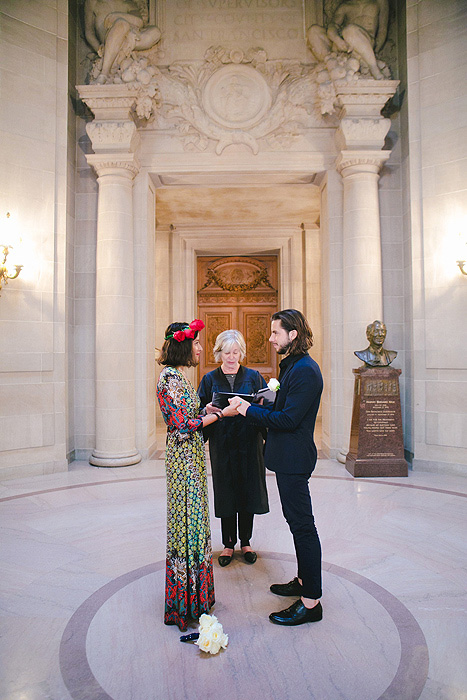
(189, 583)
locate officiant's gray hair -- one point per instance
(226, 340)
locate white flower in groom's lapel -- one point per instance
(273, 385)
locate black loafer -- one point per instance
(287, 589)
(250, 557)
(224, 561)
(297, 614)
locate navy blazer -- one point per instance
(290, 446)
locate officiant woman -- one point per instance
(236, 450)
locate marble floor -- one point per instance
(82, 578)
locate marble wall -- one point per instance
(437, 101)
(33, 308)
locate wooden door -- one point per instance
(241, 293)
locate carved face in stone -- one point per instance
(376, 333)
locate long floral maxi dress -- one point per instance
(189, 582)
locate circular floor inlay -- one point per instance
(162, 476)
(86, 626)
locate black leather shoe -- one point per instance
(287, 589)
(297, 614)
(250, 557)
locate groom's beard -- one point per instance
(284, 349)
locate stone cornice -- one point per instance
(114, 102)
(365, 98)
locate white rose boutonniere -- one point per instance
(273, 385)
(211, 635)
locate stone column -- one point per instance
(362, 282)
(361, 136)
(114, 139)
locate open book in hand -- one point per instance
(220, 399)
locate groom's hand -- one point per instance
(239, 404)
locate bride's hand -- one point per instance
(212, 409)
(231, 409)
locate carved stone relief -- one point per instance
(237, 96)
(232, 97)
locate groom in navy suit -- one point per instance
(291, 453)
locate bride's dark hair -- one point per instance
(174, 353)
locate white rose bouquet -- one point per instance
(273, 385)
(211, 635)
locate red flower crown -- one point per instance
(187, 332)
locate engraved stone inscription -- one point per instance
(380, 419)
(189, 27)
(382, 387)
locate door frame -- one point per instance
(189, 241)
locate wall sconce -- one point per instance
(7, 271)
(462, 253)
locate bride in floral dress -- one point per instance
(189, 583)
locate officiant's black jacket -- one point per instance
(290, 445)
(236, 449)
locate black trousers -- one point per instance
(296, 507)
(229, 529)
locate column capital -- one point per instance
(362, 132)
(120, 164)
(113, 133)
(112, 136)
(361, 124)
(353, 162)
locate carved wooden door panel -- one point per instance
(241, 293)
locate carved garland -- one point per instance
(261, 276)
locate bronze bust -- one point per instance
(375, 355)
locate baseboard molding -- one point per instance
(425, 465)
(21, 471)
(82, 455)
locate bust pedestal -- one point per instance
(376, 440)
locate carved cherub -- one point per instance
(112, 25)
(358, 26)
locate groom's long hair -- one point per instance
(293, 320)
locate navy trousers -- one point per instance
(296, 507)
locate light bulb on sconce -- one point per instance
(8, 271)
